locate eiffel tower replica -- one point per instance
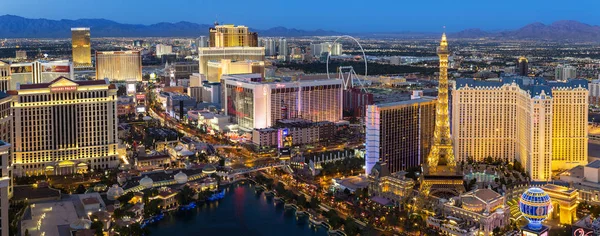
(440, 177)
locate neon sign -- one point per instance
(64, 88)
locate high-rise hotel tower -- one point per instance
(119, 66)
(6, 181)
(399, 133)
(541, 124)
(82, 51)
(64, 127)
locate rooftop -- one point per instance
(594, 164)
(404, 103)
(534, 86)
(78, 82)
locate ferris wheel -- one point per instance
(347, 73)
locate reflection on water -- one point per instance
(243, 211)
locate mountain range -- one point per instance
(19, 27)
(565, 30)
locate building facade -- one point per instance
(394, 187)
(4, 76)
(232, 53)
(119, 66)
(38, 72)
(5, 180)
(5, 137)
(593, 86)
(399, 134)
(82, 50)
(483, 208)
(162, 49)
(523, 66)
(232, 36)
(254, 102)
(64, 127)
(565, 72)
(541, 124)
(301, 131)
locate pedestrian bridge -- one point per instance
(283, 165)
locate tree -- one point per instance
(203, 195)
(134, 229)
(471, 185)
(97, 226)
(496, 231)
(186, 195)
(121, 91)
(518, 167)
(302, 200)
(80, 189)
(152, 208)
(314, 203)
(350, 227)
(125, 198)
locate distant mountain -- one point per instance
(19, 27)
(471, 33)
(566, 30)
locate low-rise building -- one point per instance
(392, 186)
(150, 161)
(167, 197)
(302, 132)
(484, 208)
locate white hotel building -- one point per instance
(254, 103)
(64, 127)
(541, 124)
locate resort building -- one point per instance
(5, 187)
(64, 127)
(541, 124)
(168, 198)
(483, 208)
(37, 72)
(400, 133)
(232, 36)
(393, 187)
(82, 50)
(4, 76)
(216, 54)
(302, 132)
(119, 66)
(254, 102)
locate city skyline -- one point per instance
(363, 18)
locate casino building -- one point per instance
(119, 66)
(254, 102)
(541, 124)
(64, 127)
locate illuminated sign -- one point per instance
(131, 88)
(64, 88)
(140, 96)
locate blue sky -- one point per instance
(338, 15)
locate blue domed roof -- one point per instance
(535, 204)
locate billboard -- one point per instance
(140, 109)
(131, 89)
(21, 69)
(54, 68)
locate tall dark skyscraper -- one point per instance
(523, 67)
(400, 133)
